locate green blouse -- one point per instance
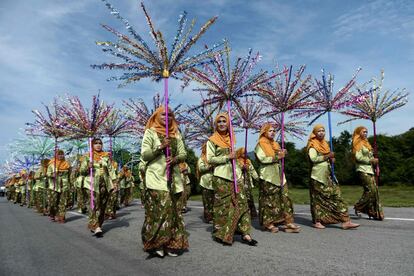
(269, 169)
(126, 182)
(102, 171)
(141, 168)
(251, 174)
(219, 158)
(363, 160)
(155, 174)
(40, 179)
(321, 168)
(62, 183)
(206, 175)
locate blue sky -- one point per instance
(46, 47)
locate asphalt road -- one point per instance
(31, 245)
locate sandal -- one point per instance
(290, 228)
(349, 225)
(271, 229)
(318, 225)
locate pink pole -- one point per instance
(167, 150)
(92, 186)
(110, 148)
(283, 147)
(376, 152)
(245, 154)
(236, 188)
(54, 168)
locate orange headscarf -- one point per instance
(125, 172)
(156, 119)
(61, 165)
(270, 147)
(240, 157)
(313, 142)
(183, 166)
(223, 141)
(358, 142)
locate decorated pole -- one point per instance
(167, 150)
(139, 61)
(282, 183)
(325, 101)
(233, 161)
(331, 146)
(92, 182)
(376, 152)
(378, 103)
(286, 96)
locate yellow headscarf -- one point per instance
(240, 157)
(269, 146)
(313, 142)
(223, 141)
(358, 142)
(61, 165)
(156, 119)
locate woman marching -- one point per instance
(40, 187)
(205, 176)
(163, 231)
(230, 210)
(369, 203)
(126, 184)
(327, 205)
(104, 183)
(275, 206)
(58, 173)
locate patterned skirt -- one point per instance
(164, 224)
(208, 199)
(275, 206)
(230, 211)
(327, 205)
(369, 203)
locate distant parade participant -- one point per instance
(250, 175)
(41, 181)
(141, 172)
(163, 231)
(364, 158)
(230, 210)
(81, 191)
(327, 205)
(58, 173)
(22, 187)
(10, 188)
(112, 205)
(126, 185)
(30, 190)
(104, 182)
(185, 171)
(275, 205)
(205, 176)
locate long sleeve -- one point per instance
(320, 167)
(212, 157)
(261, 156)
(149, 147)
(363, 161)
(315, 157)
